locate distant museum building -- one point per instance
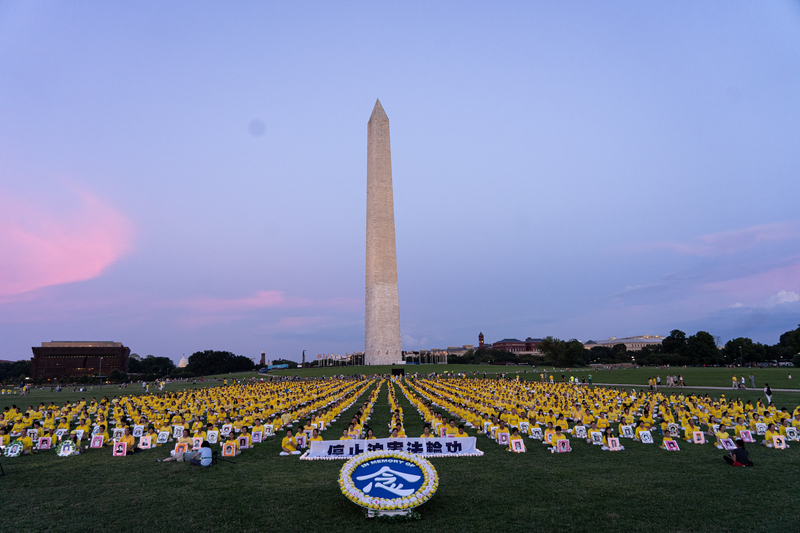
(54, 360)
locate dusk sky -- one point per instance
(190, 176)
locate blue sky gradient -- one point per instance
(192, 176)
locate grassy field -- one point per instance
(640, 489)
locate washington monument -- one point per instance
(382, 318)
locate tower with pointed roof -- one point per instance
(382, 313)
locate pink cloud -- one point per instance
(731, 242)
(74, 241)
(758, 287)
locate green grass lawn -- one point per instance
(640, 489)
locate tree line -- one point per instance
(676, 350)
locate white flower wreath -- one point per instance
(428, 488)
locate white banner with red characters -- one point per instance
(431, 447)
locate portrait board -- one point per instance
(517, 446)
(698, 437)
(728, 444)
(120, 449)
(212, 436)
(97, 441)
(145, 442)
(646, 437)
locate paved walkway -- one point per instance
(664, 389)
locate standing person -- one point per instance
(768, 393)
(752, 381)
(735, 382)
(743, 385)
(658, 381)
(590, 379)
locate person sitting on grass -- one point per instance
(315, 436)
(739, 456)
(548, 434)
(560, 435)
(181, 456)
(514, 436)
(400, 433)
(345, 435)
(688, 435)
(609, 434)
(772, 431)
(722, 433)
(500, 430)
(289, 444)
(426, 432)
(204, 455)
(461, 434)
(233, 440)
(129, 440)
(640, 428)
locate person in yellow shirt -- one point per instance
(609, 434)
(514, 436)
(315, 436)
(345, 435)
(688, 434)
(772, 431)
(129, 440)
(461, 434)
(559, 435)
(289, 444)
(27, 445)
(426, 432)
(722, 433)
(739, 427)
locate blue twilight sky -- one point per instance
(189, 176)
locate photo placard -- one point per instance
(117, 433)
(524, 426)
(229, 450)
(301, 441)
(177, 432)
(579, 431)
(791, 433)
(145, 442)
(698, 437)
(60, 433)
(97, 441)
(243, 443)
(181, 447)
(517, 446)
(646, 437)
(269, 430)
(95, 430)
(746, 435)
(138, 431)
(674, 430)
(627, 431)
(256, 437)
(66, 449)
(761, 429)
(728, 444)
(502, 438)
(120, 448)
(79, 434)
(196, 443)
(779, 442)
(597, 438)
(163, 437)
(212, 436)
(562, 446)
(613, 444)
(226, 429)
(33, 433)
(671, 445)
(536, 433)
(44, 443)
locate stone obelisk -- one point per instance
(382, 318)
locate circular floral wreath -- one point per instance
(354, 494)
(13, 451)
(62, 452)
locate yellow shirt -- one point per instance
(289, 443)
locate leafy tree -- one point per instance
(701, 349)
(15, 370)
(160, 366)
(117, 376)
(745, 348)
(291, 364)
(214, 362)
(791, 339)
(675, 343)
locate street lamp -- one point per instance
(101, 373)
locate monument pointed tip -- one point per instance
(377, 111)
